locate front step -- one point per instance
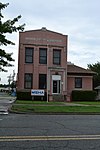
(58, 98)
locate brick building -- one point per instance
(42, 64)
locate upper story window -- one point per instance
(42, 81)
(57, 57)
(28, 55)
(42, 55)
(78, 82)
(28, 80)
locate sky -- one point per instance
(79, 19)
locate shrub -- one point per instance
(78, 95)
(27, 96)
(24, 95)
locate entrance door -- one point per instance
(56, 86)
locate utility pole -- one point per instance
(13, 79)
(9, 81)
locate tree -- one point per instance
(7, 27)
(96, 68)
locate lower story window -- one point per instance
(42, 81)
(28, 80)
(78, 82)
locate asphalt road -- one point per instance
(49, 132)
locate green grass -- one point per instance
(56, 103)
(57, 109)
(37, 102)
(88, 103)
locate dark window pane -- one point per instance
(43, 56)
(28, 59)
(28, 55)
(56, 61)
(43, 60)
(29, 51)
(57, 57)
(43, 52)
(78, 82)
(42, 81)
(28, 80)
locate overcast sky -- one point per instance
(79, 19)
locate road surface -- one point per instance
(49, 132)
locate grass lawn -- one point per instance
(52, 107)
(56, 103)
(97, 103)
(37, 102)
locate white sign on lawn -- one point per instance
(37, 92)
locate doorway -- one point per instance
(56, 86)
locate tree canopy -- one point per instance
(5, 28)
(96, 68)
